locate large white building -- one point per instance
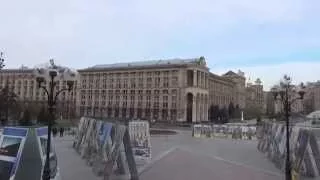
(163, 90)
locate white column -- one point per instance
(198, 108)
(194, 109)
(194, 78)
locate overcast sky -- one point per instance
(264, 38)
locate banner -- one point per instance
(139, 132)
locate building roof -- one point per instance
(230, 73)
(151, 63)
(18, 70)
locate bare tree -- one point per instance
(1, 60)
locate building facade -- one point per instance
(255, 95)
(22, 83)
(297, 105)
(312, 97)
(165, 90)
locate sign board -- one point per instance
(11, 145)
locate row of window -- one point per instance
(130, 74)
(132, 104)
(221, 99)
(133, 83)
(125, 98)
(111, 92)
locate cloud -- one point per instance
(270, 74)
(80, 33)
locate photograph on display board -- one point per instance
(104, 132)
(10, 146)
(140, 140)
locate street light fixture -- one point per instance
(287, 94)
(51, 74)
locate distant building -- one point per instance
(162, 90)
(269, 103)
(312, 97)
(297, 105)
(239, 89)
(254, 95)
(22, 82)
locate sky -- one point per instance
(263, 38)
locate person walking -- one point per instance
(61, 131)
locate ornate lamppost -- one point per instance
(52, 74)
(287, 94)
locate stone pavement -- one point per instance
(71, 166)
(183, 157)
(184, 165)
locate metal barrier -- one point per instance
(234, 131)
(104, 146)
(304, 150)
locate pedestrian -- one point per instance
(61, 131)
(54, 131)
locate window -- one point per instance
(174, 105)
(166, 82)
(165, 91)
(174, 98)
(157, 82)
(174, 81)
(165, 105)
(165, 98)
(156, 91)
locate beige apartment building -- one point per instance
(163, 90)
(254, 95)
(23, 83)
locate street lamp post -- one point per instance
(50, 74)
(284, 93)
